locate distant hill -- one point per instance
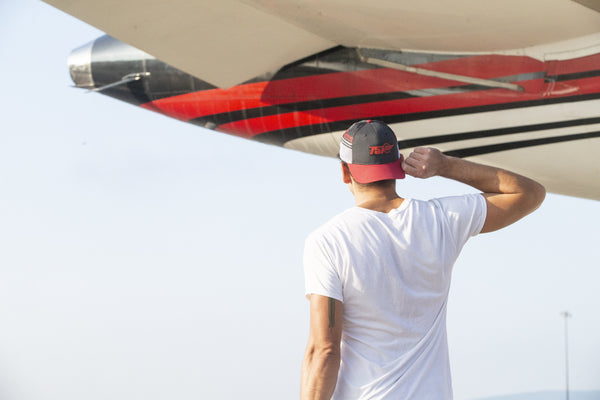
(548, 395)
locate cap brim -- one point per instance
(377, 172)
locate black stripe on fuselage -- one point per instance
(259, 112)
(279, 137)
(454, 137)
(494, 148)
(572, 76)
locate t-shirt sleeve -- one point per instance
(320, 275)
(465, 215)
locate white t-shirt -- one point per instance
(392, 272)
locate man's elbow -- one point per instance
(537, 194)
(506, 209)
(324, 354)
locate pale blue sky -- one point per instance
(141, 257)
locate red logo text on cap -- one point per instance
(383, 149)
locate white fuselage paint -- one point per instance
(570, 167)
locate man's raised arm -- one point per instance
(509, 196)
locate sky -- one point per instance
(142, 257)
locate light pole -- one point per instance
(566, 315)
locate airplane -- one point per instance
(509, 83)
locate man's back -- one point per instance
(392, 273)
(405, 357)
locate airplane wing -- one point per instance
(227, 42)
(509, 83)
(224, 41)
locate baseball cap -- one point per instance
(370, 149)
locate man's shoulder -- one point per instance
(338, 219)
(447, 208)
(347, 219)
(468, 200)
(336, 224)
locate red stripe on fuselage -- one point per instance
(487, 66)
(334, 85)
(589, 63)
(254, 126)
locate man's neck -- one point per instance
(377, 199)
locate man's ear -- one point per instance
(346, 176)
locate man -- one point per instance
(378, 275)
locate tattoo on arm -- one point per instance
(331, 312)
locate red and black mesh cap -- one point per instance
(370, 149)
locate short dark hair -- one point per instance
(379, 184)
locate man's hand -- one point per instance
(509, 196)
(424, 162)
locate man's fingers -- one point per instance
(422, 162)
(421, 150)
(412, 167)
(421, 154)
(411, 162)
(407, 168)
(416, 156)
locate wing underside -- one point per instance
(227, 42)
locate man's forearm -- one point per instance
(319, 374)
(509, 196)
(486, 178)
